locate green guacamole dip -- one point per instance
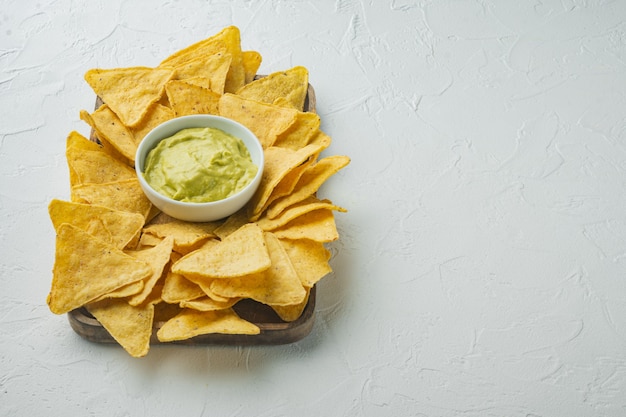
(199, 165)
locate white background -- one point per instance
(481, 269)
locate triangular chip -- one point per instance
(228, 40)
(240, 253)
(189, 323)
(157, 257)
(208, 304)
(130, 326)
(300, 132)
(187, 99)
(317, 225)
(95, 166)
(292, 312)
(251, 63)
(207, 71)
(309, 183)
(177, 288)
(185, 234)
(119, 228)
(86, 267)
(129, 91)
(157, 114)
(124, 195)
(278, 285)
(111, 130)
(279, 162)
(266, 121)
(309, 259)
(291, 84)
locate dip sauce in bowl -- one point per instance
(199, 168)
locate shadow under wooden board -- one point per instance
(274, 331)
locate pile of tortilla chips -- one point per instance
(131, 266)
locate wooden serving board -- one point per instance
(274, 331)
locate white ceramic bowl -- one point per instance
(200, 212)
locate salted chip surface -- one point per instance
(187, 99)
(292, 312)
(251, 63)
(309, 183)
(278, 285)
(119, 228)
(309, 258)
(130, 326)
(242, 252)
(189, 323)
(157, 257)
(266, 121)
(129, 91)
(291, 84)
(86, 267)
(112, 131)
(123, 195)
(318, 225)
(208, 71)
(185, 234)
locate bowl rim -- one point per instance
(145, 147)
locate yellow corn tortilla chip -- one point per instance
(111, 130)
(278, 285)
(177, 288)
(122, 292)
(242, 252)
(130, 91)
(251, 63)
(189, 323)
(119, 228)
(289, 181)
(208, 304)
(95, 167)
(266, 121)
(123, 195)
(317, 225)
(231, 224)
(309, 259)
(187, 99)
(157, 257)
(186, 234)
(86, 267)
(309, 183)
(157, 114)
(292, 312)
(279, 162)
(208, 71)
(291, 84)
(300, 132)
(130, 326)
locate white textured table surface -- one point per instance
(481, 269)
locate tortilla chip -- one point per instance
(186, 235)
(123, 195)
(317, 225)
(157, 257)
(278, 285)
(292, 312)
(189, 323)
(208, 304)
(278, 163)
(130, 91)
(186, 98)
(156, 115)
(251, 63)
(309, 259)
(309, 183)
(86, 267)
(130, 326)
(112, 131)
(207, 71)
(300, 133)
(291, 84)
(177, 288)
(118, 228)
(240, 253)
(266, 121)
